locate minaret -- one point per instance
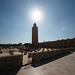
(35, 35)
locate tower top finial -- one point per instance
(34, 24)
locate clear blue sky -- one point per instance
(16, 25)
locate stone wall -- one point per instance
(38, 56)
(72, 48)
(10, 62)
(64, 43)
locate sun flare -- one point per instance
(36, 15)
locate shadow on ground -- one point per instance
(37, 64)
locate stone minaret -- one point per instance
(34, 35)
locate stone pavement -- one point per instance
(63, 65)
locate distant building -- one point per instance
(34, 35)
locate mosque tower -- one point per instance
(35, 35)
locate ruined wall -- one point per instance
(10, 62)
(67, 43)
(38, 56)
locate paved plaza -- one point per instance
(62, 65)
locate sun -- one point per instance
(36, 15)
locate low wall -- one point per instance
(72, 48)
(10, 62)
(38, 56)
